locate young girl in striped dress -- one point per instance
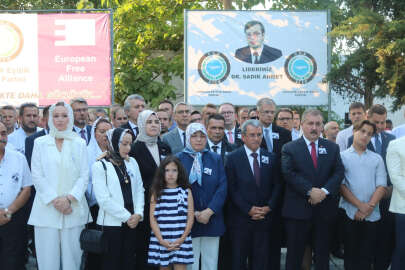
(171, 217)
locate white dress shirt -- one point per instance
(343, 138)
(396, 170)
(133, 127)
(14, 176)
(211, 144)
(17, 139)
(78, 130)
(399, 131)
(181, 134)
(250, 158)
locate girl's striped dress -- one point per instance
(171, 215)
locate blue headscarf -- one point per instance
(196, 169)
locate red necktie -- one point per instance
(230, 137)
(313, 154)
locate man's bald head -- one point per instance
(331, 130)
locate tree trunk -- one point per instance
(368, 98)
(227, 4)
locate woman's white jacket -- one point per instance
(396, 170)
(109, 195)
(45, 168)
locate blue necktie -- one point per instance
(378, 147)
(268, 140)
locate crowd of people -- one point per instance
(222, 188)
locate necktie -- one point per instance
(313, 154)
(230, 137)
(256, 57)
(268, 140)
(215, 148)
(184, 139)
(83, 135)
(256, 168)
(378, 147)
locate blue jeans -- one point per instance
(398, 259)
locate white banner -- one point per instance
(242, 56)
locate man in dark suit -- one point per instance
(253, 188)
(274, 137)
(232, 131)
(313, 172)
(176, 138)
(377, 114)
(81, 115)
(216, 137)
(133, 105)
(256, 52)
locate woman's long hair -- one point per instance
(159, 182)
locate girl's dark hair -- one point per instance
(159, 182)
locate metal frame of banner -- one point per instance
(328, 56)
(111, 14)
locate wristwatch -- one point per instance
(8, 213)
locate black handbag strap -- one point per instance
(91, 192)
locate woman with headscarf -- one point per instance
(209, 187)
(119, 192)
(98, 144)
(60, 175)
(148, 152)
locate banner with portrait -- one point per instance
(45, 58)
(242, 56)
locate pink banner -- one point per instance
(74, 58)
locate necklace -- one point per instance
(126, 176)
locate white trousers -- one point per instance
(58, 248)
(207, 248)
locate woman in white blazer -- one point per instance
(396, 170)
(60, 175)
(120, 195)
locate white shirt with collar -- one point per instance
(181, 134)
(232, 132)
(309, 147)
(17, 139)
(211, 144)
(259, 52)
(133, 127)
(78, 130)
(250, 158)
(14, 176)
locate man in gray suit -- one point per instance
(176, 138)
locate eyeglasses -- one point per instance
(284, 119)
(254, 118)
(267, 112)
(227, 113)
(254, 135)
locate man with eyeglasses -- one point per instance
(285, 119)
(133, 105)
(81, 115)
(227, 110)
(256, 52)
(274, 137)
(176, 138)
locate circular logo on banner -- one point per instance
(214, 67)
(13, 41)
(300, 67)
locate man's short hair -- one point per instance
(328, 125)
(9, 107)
(263, 101)
(166, 101)
(27, 105)
(101, 110)
(377, 109)
(215, 116)
(388, 121)
(78, 100)
(313, 112)
(287, 110)
(127, 104)
(241, 108)
(209, 105)
(357, 105)
(195, 112)
(179, 104)
(365, 122)
(250, 122)
(227, 103)
(253, 23)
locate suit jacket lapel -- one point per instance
(148, 155)
(306, 155)
(176, 138)
(245, 161)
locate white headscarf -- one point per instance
(142, 136)
(70, 166)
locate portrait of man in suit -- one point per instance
(256, 52)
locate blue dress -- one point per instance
(171, 216)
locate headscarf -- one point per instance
(196, 169)
(142, 136)
(115, 137)
(93, 149)
(70, 166)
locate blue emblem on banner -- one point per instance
(300, 67)
(214, 67)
